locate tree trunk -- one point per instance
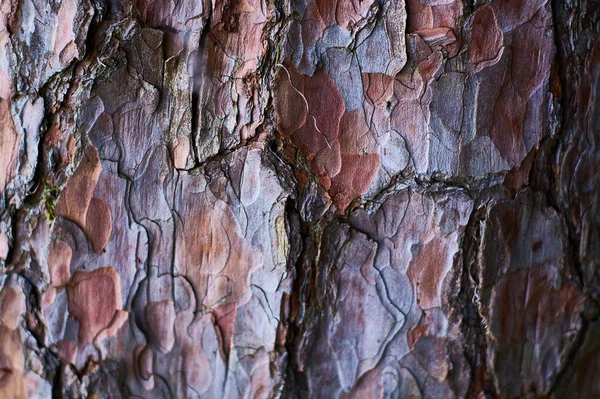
(325, 199)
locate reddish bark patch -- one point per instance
(378, 88)
(486, 45)
(98, 224)
(224, 322)
(180, 149)
(518, 177)
(354, 179)
(419, 16)
(236, 33)
(218, 262)
(326, 105)
(67, 350)
(415, 332)
(532, 50)
(94, 299)
(426, 272)
(143, 365)
(59, 263)
(3, 246)
(291, 107)
(76, 203)
(161, 319)
(343, 12)
(12, 304)
(342, 149)
(8, 145)
(77, 195)
(507, 127)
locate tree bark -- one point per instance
(273, 198)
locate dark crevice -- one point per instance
(301, 256)
(473, 327)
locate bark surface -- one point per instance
(306, 198)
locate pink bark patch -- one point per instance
(8, 145)
(76, 203)
(98, 225)
(59, 263)
(3, 246)
(224, 323)
(343, 12)
(486, 39)
(161, 318)
(426, 272)
(64, 47)
(378, 88)
(94, 300)
(67, 350)
(77, 195)
(358, 171)
(419, 16)
(341, 147)
(180, 149)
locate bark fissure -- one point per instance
(299, 199)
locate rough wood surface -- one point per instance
(306, 198)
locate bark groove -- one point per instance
(316, 198)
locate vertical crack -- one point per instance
(473, 324)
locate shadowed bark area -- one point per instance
(299, 199)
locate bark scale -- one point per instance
(265, 198)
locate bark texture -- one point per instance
(305, 198)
